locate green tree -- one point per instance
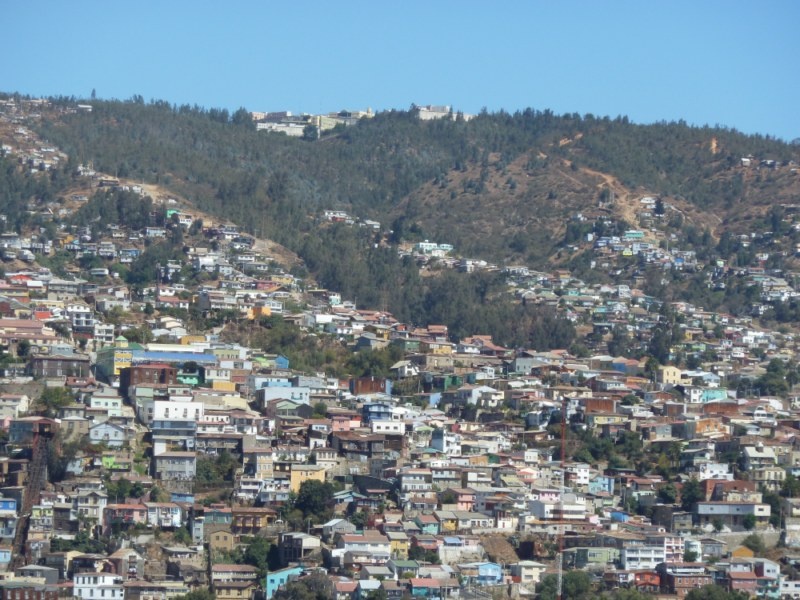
(313, 498)
(667, 493)
(119, 490)
(317, 586)
(626, 594)
(691, 492)
(577, 585)
(755, 543)
(359, 519)
(257, 555)
(216, 469)
(158, 495)
(23, 348)
(749, 522)
(54, 399)
(689, 556)
(182, 536)
(790, 487)
(715, 592)
(775, 504)
(773, 382)
(199, 594)
(448, 497)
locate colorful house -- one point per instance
(274, 580)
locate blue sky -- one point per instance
(726, 62)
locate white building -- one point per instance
(388, 427)
(573, 507)
(642, 557)
(98, 586)
(175, 409)
(714, 471)
(80, 316)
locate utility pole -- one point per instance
(560, 581)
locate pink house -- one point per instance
(465, 498)
(123, 515)
(340, 423)
(345, 422)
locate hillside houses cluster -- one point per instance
(433, 486)
(295, 125)
(143, 454)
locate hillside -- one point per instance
(508, 181)
(520, 211)
(531, 189)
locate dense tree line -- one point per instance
(471, 303)
(269, 182)
(121, 207)
(19, 185)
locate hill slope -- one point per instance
(499, 186)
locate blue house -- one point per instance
(482, 573)
(274, 580)
(376, 411)
(181, 497)
(601, 484)
(8, 505)
(427, 524)
(281, 362)
(714, 394)
(130, 254)
(434, 399)
(621, 517)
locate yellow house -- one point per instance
(429, 347)
(222, 540)
(599, 419)
(742, 552)
(282, 279)
(398, 544)
(447, 520)
(224, 386)
(478, 459)
(691, 334)
(301, 473)
(256, 312)
(234, 590)
(669, 375)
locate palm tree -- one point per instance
(674, 451)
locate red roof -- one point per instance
(429, 583)
(740, 575)
(346, 586)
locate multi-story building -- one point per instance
(296, 546)
(90, 505)
(164, 515)
(301, 473)
(732, 514)
(98, 586)
(639, 556)
(414, 482)
(175, 466)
